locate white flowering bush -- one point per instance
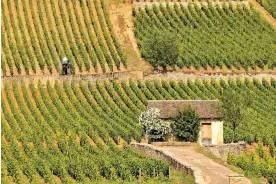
(154, 127)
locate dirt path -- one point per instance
(267, 16)
(213, 172)
(121, 17)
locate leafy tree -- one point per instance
(161, 48)
(186, 125)
(234, 109)
(153, 126)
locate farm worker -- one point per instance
(65, 65)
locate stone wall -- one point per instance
(143, 3)
(153, 151)
(236, 179)
(178, 75)
(172, 143)
(221, 151)
(84, 78)
(131, 74)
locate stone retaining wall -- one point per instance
(153, 151)
(77, 78)
(221, 151)
(127, 75)
(142, 4)
(175, 75)
(236, 179)
(172, 143)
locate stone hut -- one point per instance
(211, 131)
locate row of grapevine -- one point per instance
(48, 133)
(269, 5)
(38, 34)
(260, 163)
(214, 36)
(70, 131)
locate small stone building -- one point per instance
(211, 131)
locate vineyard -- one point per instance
(36, 35)
(231, 35)
(259, 163)
(73, 132)
(269, 5)
(64, 132)
(68, 131)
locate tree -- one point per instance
(154, 127)
(234, 108)
(186, 125)
(161, 48)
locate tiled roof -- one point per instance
(206, 109)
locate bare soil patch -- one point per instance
(122, 19)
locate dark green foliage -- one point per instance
(161, 48)
(233, 108)
(186, 125)
(209, 35)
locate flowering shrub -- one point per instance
(152, 125)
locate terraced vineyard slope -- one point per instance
(36, 35)
(231, 35)
(63, 134)
(269, 5)
(259, 161)
(70, 132)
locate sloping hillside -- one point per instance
(211, 36)
(36, 35)
(70, 131)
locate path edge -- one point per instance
(151, 150)
(264, 13)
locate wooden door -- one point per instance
(206, 131)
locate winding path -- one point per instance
(213, 172)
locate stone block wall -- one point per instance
(171, 143)
(236, 179)
(221, 151)
(154, 152)
(143, 3)
(72, 78)
(126, 75)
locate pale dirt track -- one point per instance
(263, 13)
(213, 172)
